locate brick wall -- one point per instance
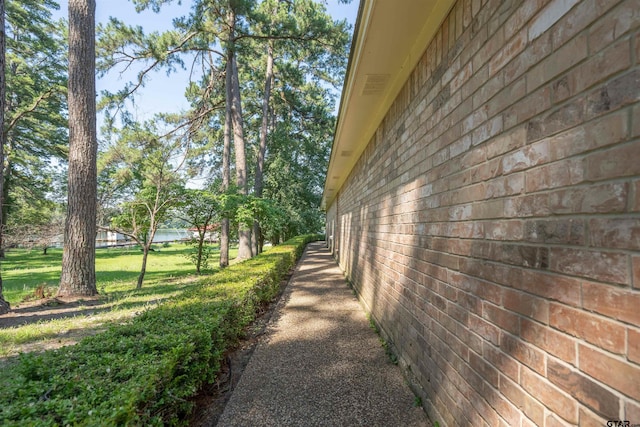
(492, 225)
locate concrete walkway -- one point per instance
(321, 364)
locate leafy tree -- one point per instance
(305, 50)
(147, 166)
(201, 209)
(38, 229)
(271, 63)
(36, 125)
(78, 259)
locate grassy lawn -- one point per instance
(169, 272)
(116, 269)
(146, 369)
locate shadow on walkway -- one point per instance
(321, 363)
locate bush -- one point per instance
(143, 372)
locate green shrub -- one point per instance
(144, 372)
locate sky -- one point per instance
(164, 93)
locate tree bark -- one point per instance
(143, 269)
(226, 168)
(201, 235)
(4, 306)
(262, 149)
(78, 276)
(244, 232)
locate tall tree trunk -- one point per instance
(6, 184)
(201, 236)
(4, 306)
(244, 232)
(262, 149)
(143, 269)
(78, 260)
(226, 168)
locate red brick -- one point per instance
(559, 61)
(612, 301)
(526, 305)
(578, 18)
(505, 364)
(554, 421)
(502, 318)
(612, 26)
(512, 48)
(467, 13)
(632, 411)
(506, 186)
(550, 395)
(633, 345)
(608, 130)
(444, 29)
(620, 233)
(610, 61)
(637, 48)
(522, 400)
(558, 174)
(458, 20)
(484, 369)
(506, 142)
(604, 266)
(613, 372)
(565, 117)
(530, 237)
(589, 419)
(487, 130)
(605, 198)
(556, 231)
(564, 289)
(527, 107)
(549, 340)
(530, 205)
(524, 12)
(526, 157)
(532, 55)
(551, 14)
(462, 77)
(485, 329)
(597, 330)
(503, 230)
(525, 353)
(616, 162)
(615, 94)
(504, 408)
(475, 7)
(585, 390)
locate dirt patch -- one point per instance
(49, 309)
(212, 398)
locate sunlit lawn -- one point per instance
(169, 272)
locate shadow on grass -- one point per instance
(19, 259)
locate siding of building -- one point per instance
(492, 225)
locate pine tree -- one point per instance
(78, 260)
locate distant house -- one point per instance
(483, 196)
(211, 235)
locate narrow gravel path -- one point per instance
(321, 364)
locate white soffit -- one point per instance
(391, 37)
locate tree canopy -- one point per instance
(264, 77)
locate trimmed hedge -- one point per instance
(143, 372)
